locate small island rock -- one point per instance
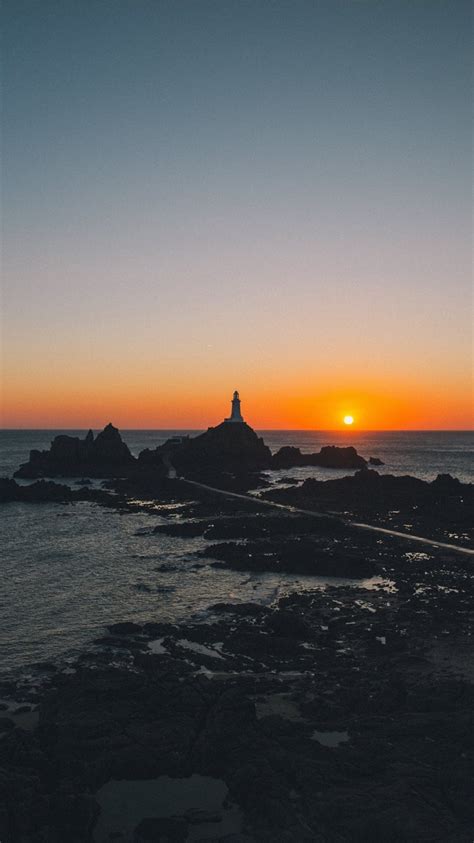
(330, 456)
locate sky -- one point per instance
(265, 195)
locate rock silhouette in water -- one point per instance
(227, 447)
(330, 456)
(70, 456)
(375, 461)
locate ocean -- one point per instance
(68, 571)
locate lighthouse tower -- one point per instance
(235, 416)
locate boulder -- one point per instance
(447, 483)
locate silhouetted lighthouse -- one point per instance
(235, 415)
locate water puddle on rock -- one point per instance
(199, 648)
(331, 739)
(24, 716)
(198, 802)
(157, 647)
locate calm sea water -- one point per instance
(67, 571)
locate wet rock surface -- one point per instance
(293, 556)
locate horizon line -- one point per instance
(261, 429)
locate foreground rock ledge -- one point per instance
(249, 697)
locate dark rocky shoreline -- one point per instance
(251, 698)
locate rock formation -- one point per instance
(225, 448)
(69, 456)
(46, 491)
(400, 502)
(329, 456)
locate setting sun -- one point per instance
(348, 420)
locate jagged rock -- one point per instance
(447, 483)
(69, 456)
(375, 461)
(330, 456)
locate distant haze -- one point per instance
(261, 195)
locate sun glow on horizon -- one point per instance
(348, 420)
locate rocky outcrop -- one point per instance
(45, 491)
(303, 556)
(106, 455)
(330, 456)
(151, 460)
(40, 492)
(441, 508)
(234, 448)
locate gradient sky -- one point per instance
(266, 195)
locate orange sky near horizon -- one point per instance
(134, 400)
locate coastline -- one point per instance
(303, 712)
(337, 710)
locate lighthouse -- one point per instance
(235, 416)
